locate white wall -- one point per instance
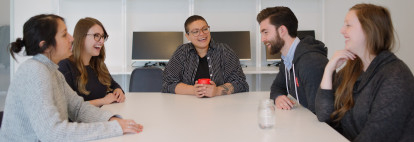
(401, 13)
(308, 12)
(109, 13)
(325, 16)
(154, 15)
(230, 15)
(21, 11)
(4, 12)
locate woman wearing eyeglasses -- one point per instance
(203, 58)
(39, 101)
(85, 71)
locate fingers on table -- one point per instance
(134, 127)
(285, 103)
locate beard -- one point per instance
(276, 45)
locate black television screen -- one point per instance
(155, 46)
(239, 41)
(278, 56)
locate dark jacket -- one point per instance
(224, 67)
(96, 88)
(309, 63)
(383, 103)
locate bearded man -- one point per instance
(303, 60)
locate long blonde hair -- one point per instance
(96, 62)
(379, 34)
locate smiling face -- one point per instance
(92, 46)
(64, 41)
(270, 37)
(202, 40)
(353, 34)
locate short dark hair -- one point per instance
(279, 16)
(38, 28)
(190, 20)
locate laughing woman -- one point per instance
(85, 71)
(39, 101)
(371, 98)
(203, 58)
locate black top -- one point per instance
(224, 67)
(309, 64)
(202, 69)
(96, 88)
(383, 103)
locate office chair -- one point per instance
(146, 79)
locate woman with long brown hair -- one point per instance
(39, 101)
(371, 97)
(85, 71)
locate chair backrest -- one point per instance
(146, 79)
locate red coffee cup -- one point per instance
(203, 81)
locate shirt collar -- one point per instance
(45, 60)
(287, 60)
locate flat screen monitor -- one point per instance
(239, 41)
(155, 46)
(278, 56)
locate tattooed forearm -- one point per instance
(227, 89)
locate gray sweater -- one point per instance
(39, 103)
(383, 103)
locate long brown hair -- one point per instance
(96, 62)
(379, 34)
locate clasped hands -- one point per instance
(117, 96)
(205, 90)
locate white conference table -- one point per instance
(230, 118)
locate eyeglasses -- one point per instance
(205, 30)
(98, 37)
